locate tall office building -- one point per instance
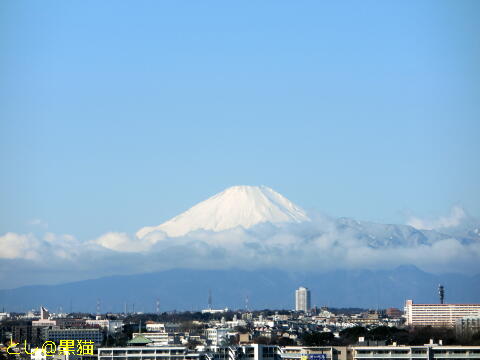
(302, 299)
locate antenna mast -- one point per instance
(441, 293)
(98, 306)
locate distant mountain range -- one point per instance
(262, 212)
(264, 246)
(183, 289)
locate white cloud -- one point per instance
(122, 242)
(31, 247)
(457, 214)
(63, 246)
(322, 244)
(118, 242)
(18, 246)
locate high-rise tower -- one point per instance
(302, 299)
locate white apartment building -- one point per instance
(215, 336)
(438, 314)
(302, 299)
(155, 327)
(214, 311)
(314, 352)
(272, 352)
(112, 326)
(162, 327)
(427, 352)
(148, 353)
(243, 352)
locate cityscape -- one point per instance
(418, 331)
(250, 180)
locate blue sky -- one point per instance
(120, 114)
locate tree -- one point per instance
(351, 335)
(318, 339)
(193, 343)
(286, 341)
(263, 340)
(475, 339)
(422, 334)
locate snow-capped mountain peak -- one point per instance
(236, 206)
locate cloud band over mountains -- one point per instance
(318, 245)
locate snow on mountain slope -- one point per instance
(385, 235)
(236, 206)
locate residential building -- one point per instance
(30, 334)
(71, 323)
(243, 352)
(214, 311)
(427, 352)
(111, 326)
(148, 353)
(302, 299)
(57, 334)
(216, 336)
(273, 352)
(393, 313)
(314, 352)
(438, 314)
(162, 327)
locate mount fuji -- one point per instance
(243, 206)
(256, 208)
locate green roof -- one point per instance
(139, 339)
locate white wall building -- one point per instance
(273, 352)
(302, 299)
(214, 311)
(215, 336)
(112, 326)
(438, 314)
(426, 352)
(162, 327)
(243, 352)
(147, 353)
(155, 327)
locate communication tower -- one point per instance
(441, 293)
